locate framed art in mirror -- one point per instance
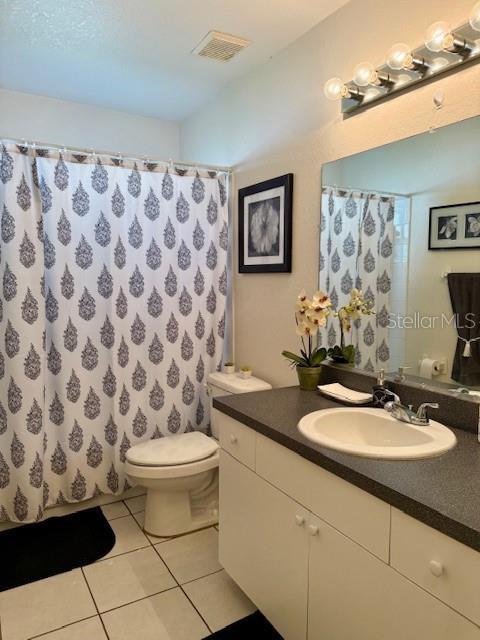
(265, 226)
(455, 226)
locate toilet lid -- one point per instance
(172, 450)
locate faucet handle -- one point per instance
(422, 409)
(400, 375)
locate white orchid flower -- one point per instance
(307, 328)
(320, 299)
(303, 303)
(317, 315)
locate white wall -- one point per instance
(276, 121)
(48, 120)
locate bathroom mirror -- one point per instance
(402, 223)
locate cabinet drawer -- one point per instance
(437, 563)
(360, 516)
(236, 438)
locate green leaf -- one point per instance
(318, 356)
(293, 357)
(345, 355)
(349, 353)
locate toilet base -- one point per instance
(195, 526)
(174, 510)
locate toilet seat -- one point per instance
(175, 450)
(173, 471)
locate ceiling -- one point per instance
(134, 55)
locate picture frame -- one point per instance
(454, 226)
(265, 226)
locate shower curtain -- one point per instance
(356, 250)
(113, 281)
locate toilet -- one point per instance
(180, 472)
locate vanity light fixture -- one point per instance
(444, 50)
(475, 17)
(365, 75)
(401, 58)
(440, 37)
(336, 89)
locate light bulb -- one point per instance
(364, 74)
(397, 56)
(475, 17)
(435, 36)
(335, 89)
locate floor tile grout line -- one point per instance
(65, 626)
(94, 603)
(180, 586)
(201, 616)
(126, 604)
(130, 510)
(99, 613)
(117, 555)
(211, 573)
(168, 569)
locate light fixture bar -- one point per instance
(445, 50)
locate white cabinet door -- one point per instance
(351, 510)
(264, 546)
(352, 594)
(444, 567)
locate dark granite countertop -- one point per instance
(442, 492)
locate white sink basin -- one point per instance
(373, 433)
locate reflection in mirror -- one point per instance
(402, 223)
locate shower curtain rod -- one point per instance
(376, 193)
(124, 156)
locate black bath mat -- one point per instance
(254, 627)
(43, 549)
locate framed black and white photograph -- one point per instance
(265, 226)
(455, 226)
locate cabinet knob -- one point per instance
(300, 521)
(313, 529)
(436, 568)
(233, 439)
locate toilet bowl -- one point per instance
(180, 472)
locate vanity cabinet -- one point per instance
(313, 552)
(262, 545)
(237, 439)
(354, 595)
(443, 567)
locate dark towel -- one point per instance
(465, 296)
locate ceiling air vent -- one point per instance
(220, 46)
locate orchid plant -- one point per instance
(310, 315)
(354, 310)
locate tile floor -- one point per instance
(146, 588)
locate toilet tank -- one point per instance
(227, 384)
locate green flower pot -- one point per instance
(309, 377)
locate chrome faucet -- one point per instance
(406, 414)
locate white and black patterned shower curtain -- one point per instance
(356, 250)
(113, 282)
